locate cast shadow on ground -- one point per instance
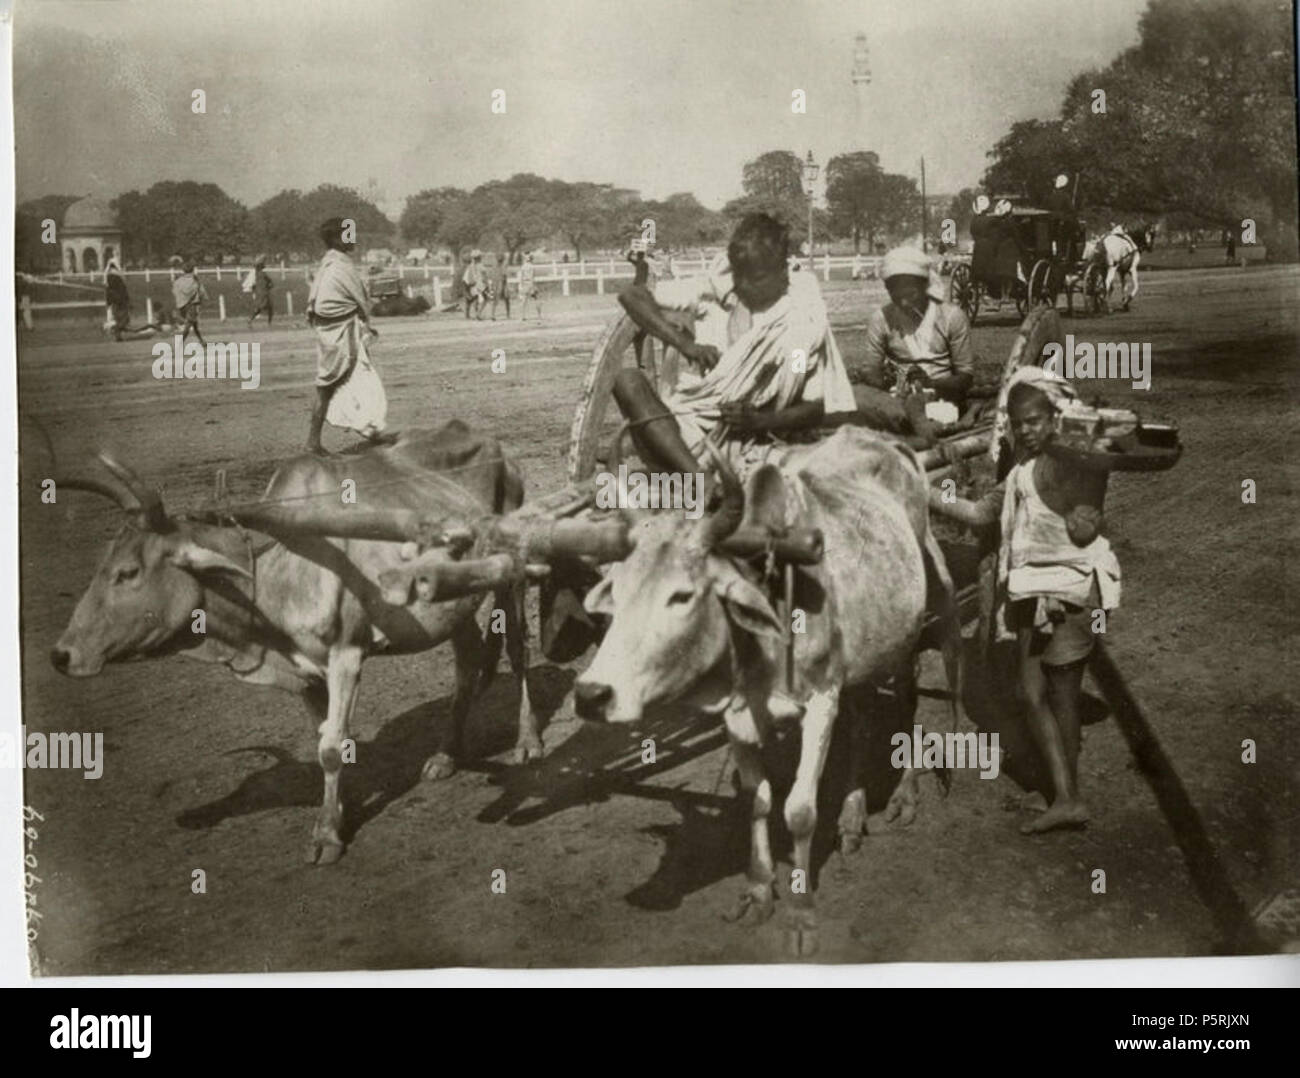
(388, 765)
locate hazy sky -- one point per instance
(660, 95)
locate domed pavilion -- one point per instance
(90, 236)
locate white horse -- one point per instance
(1119, 253)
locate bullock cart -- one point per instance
(566, 526)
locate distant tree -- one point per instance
(280, 225)
(865, 201)
(423, 216)
(31, 253)
(961, 210)
(589, 213)
(186, 218)
(680, 220)
(777, 174)
(373, 229)
(773, 184)
(1198, 121)
(1028, 158)
(517, 210)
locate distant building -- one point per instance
(89, 236)
(417, 254)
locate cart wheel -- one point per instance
(596, 421)
(1094, 287)
(1039, 291)
(964, 292)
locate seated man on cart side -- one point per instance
(766, 365)
(918, 354)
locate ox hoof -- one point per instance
(324, 851)
(530, 748)
(752, 908)
(801, 933)
(853, 822)
(901, 807)
(437, 767)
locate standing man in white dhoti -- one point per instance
(338, 309)
(768, 365)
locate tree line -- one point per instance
(195, 220)
(1195, 124)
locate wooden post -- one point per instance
(288, 302)
(565, 283)
(554, 270)
(148, 309)
(221, 307)
(218, 271)
(437, 293)
(146, 275)
(600, 281)
(282, 270)
(427, 273)
(826, 266)
(27, 311)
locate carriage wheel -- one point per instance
(1040, 284)
(1094, 287)
(964, 292)
(1022, 299)
(596, 421)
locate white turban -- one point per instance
(911, 262)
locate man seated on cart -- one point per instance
(766, 366)
(918, 366)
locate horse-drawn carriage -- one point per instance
(1026, 256)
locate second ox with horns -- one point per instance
(690, 623)
(304, 612)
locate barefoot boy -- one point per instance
(1055, 570)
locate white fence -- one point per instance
(437, 278)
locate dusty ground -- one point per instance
(609, 862)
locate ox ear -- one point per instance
(745, 603)
(600, 600)
(188, 555)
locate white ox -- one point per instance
(691, 624)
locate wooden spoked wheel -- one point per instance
(1046, 281)
(596, 421)
(964, 292)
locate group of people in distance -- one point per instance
(480, 286)
(765, 369)
(188, 296)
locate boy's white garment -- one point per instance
(1037, 559)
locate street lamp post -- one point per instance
(810, 171)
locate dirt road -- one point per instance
(609, 861)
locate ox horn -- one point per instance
(718, 525)
(148, 508)
(123, 487)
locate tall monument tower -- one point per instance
(861, 77)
